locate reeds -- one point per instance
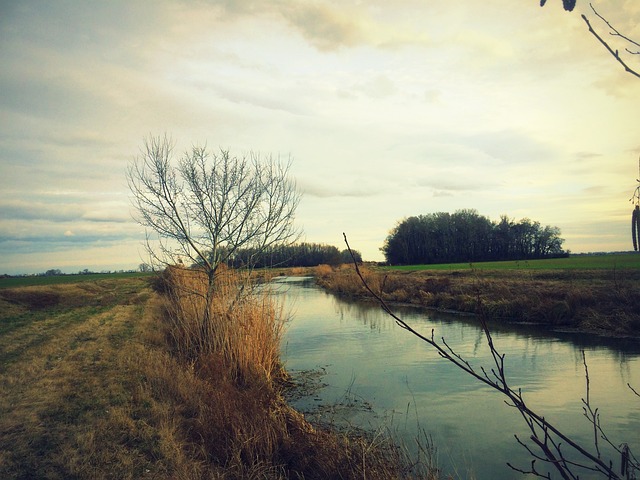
(344, 281)
(595, 300)
(226, 378)
(232, 323)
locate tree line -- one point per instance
(466, 236)
(296, 255)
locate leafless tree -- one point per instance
(210, 204)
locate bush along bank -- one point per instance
(598, 301)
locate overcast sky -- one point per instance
(388, 109)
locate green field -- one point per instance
(583, 262)
(36, 280)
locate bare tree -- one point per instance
(208, 205)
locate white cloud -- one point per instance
(387, 111)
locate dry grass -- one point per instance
(241, 329)
(101, 383)
(243, 423)
(63, 376)
(344, 281)
(592, 300)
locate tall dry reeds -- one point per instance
(344, 281)
(591, 300)
(232, 323)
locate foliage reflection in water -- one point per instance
(377, 373)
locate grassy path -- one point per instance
(63, 373)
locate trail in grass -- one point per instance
(61, 371)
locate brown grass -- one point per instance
(62, 377)
(591, 300)
(244, 424)
(101, 383)
(242, 330)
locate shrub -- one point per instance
(323, 270)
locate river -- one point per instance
(374, 375)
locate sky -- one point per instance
(387, 109)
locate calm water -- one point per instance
(387, 376)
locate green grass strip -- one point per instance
(582, 262)
(38, 280)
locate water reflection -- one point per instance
(405, 381)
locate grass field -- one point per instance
(67, 384)
(573, 262)
(13, 282)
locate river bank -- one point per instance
(102, 379)
(104, 356)
(368, 361)
(603, 302)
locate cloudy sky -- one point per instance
(387, 109)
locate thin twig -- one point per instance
(614, 31)
(592, 415)
(553, 438)
(614, 53)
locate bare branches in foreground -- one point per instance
(551, 449)
(632, 47)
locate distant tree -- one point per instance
(145, 267)
(296, 255)
(346, 256)
(53, 272)
(466, 236)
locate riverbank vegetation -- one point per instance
(111, 379)
(599, 300)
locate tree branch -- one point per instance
(614, 53)
(544, 435)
